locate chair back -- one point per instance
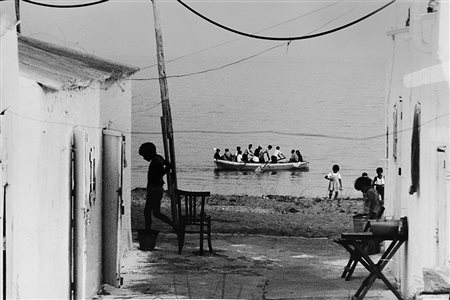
(191, 205)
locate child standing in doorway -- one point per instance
(335, 182)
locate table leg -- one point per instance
(375, 270)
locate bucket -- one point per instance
(359, 223)
(147, 239)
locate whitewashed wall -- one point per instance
(415, 78)
(40, 132)
(9, 76)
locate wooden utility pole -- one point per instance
(18, 15)
(166, 119)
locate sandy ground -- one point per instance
(268, 215)
(271, 247)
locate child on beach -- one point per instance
(335, 184)
(378, 183)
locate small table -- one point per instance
(353, 242)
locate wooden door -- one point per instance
(113, 164)
(79, 214)
(442, 220)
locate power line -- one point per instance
(147, 109)
(293, 38)
(242, 59)
(238, 39)
(272, 132)
(64, 6)
(212, 69)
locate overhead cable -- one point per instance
(212, 69)
(216, 132)
(292, 38)
(242, 59)
(238, 39)
(64, 6)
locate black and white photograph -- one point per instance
(225, 149)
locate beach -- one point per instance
(268, 215)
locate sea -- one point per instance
(331, 109)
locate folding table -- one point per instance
(354, 243)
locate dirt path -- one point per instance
(271, 247)
(242, 267)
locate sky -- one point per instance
(124, 30)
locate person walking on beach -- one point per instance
(373, 207)
(335, 182)
(378, 183)
(157, 168)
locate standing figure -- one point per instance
(157, 168)
(378, 183)
(335, 184)
(373, 207)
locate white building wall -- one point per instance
(40, 130)
(415, 78)
(9, 74)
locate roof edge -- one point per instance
(116, 70)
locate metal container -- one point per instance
(147, 239)
(386, 228)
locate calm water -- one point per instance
(330, 109)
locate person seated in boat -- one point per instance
(266, 155)
(227, 155)
(217, 154)
(300, 157)
(239, 156)
(248, 153)
(278, 155)
(257, 154)
(294, 156)
(234, 156)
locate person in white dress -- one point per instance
(335, 182)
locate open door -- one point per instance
(113, 164)
(78, 207)
(3, 247)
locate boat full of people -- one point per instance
(259, 159)
(221, 164)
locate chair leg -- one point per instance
(209, 237)
(180, 234)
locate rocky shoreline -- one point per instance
(268, 215)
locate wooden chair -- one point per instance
(191, 214)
